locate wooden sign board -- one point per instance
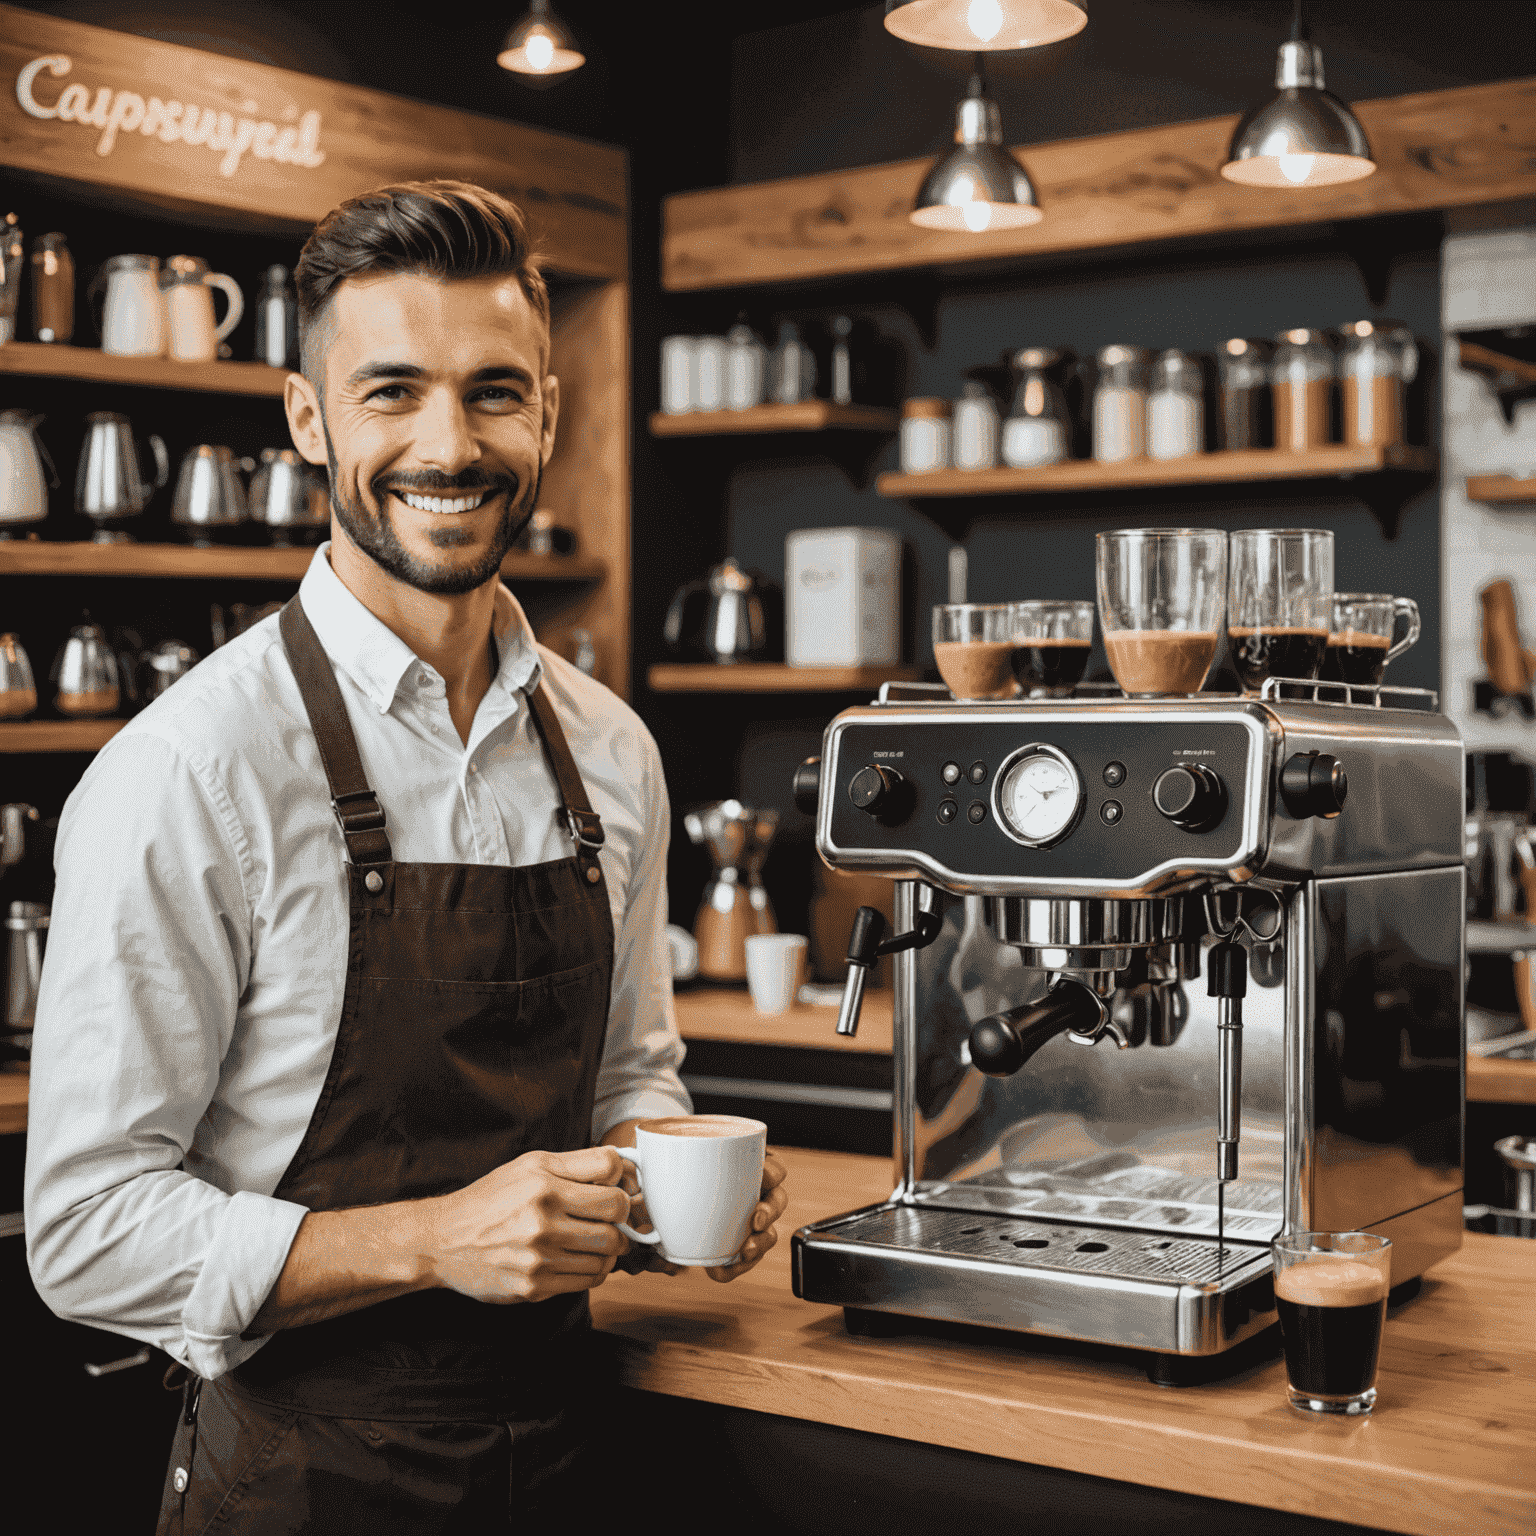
(176, 124)
(1443, 149)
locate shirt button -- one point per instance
(179, 1480)
(473, 768)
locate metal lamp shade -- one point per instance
(1302, 137)
(984, 25)
(540, 45)
(978, 185)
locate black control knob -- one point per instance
(807, 785)
(1314, 784)
(882, 792)
(1190, 796)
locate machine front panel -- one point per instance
(947, 817)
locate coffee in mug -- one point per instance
(701, 1176)
(1360, 640)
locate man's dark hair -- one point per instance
(448, 229)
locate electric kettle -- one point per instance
(728, 616)
(24, 480)
(108, 485)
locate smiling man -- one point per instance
(357, 973)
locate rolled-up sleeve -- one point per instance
(148, 954)
(643, 1052)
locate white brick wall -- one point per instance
(1487, 279)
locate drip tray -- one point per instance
(1099, 1284)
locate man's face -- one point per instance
(437, 418)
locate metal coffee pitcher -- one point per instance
(730, 615)
(86, 675)
(108, 485)
(208, 491)
(26, 472)
(168, 663)
(26, 924)
(290, 497)
(13, 834)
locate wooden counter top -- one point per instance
(1446, 1453)
(1492, 1081)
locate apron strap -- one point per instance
(585, 824)
(356, 806)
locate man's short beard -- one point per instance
(377, 539)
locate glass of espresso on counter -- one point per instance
(1051, 642)
(1162, 598)
(1360, 637)
(1331, 1293)
(1279, 603)
(973, 649)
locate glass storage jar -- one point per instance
(1301, 376)
(974, 434)
(1377, 363)
(1176, 407)
(924, 435)
(1120, 405)
(1037, 429)
(1243, 366)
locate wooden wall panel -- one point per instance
(574, 192)
(586, 483)
(1475, 144)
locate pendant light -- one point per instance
(970, 25)
(1304, 136)
(540, 44)
(978, 185)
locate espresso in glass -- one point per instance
(1150, 661)
(973, 649)
(1258, 654)
(1356, 657)
(1051, 641)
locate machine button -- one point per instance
(947, 812)
(1111, 812)
(977, 813)
(1190, 796)
(1114, 774)
(882, 792)
(950, 773)
(978, 773)
(1314, 784)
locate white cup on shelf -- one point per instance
(775, 962)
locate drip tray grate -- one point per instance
(1142, 1256)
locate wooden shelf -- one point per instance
(1501, 488)
(13, 1102)
(727, 1014)
(40, 360)
(1492, 1081)
(807, 416)
(57, 735)
(22, 557)
(772, 677)
(1333, 461)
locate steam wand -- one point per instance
(866, 944)
(1228, 983)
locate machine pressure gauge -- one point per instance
(1038, 796)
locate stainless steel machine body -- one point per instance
(1077, 1197)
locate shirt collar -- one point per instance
(378, 660)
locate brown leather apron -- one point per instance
(473, 1023)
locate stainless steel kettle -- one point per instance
(290, 497)
(108, 485)
(730, 615)
(26, 472)
(208, 491)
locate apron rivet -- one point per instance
(179, 1480)
(594, 874)
(374, 881)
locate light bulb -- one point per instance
(985, 19)
(1297, 168)
(540, 49)
(977, 216)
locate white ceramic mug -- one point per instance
(774, 965)
(701, 1176)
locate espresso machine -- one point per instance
(1171, 976)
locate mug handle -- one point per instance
(1405, 607)
(236, 302)
(630, 1155)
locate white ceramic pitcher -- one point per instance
(132, 321)
(186, 284)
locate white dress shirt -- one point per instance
(197, 958)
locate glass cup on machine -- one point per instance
(1051, 642)
(1360, 636)
(1162, 598)
(973, 649)
(1331, 1293)
(1279, 603)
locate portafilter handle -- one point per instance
(1001, 1044)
